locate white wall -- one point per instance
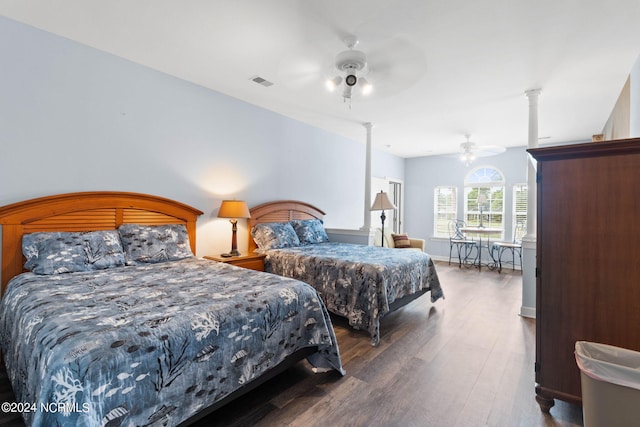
(73, 118)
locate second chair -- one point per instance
(515, 246)
(462, 243)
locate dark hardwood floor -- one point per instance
(463, 361)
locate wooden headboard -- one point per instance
(86, 211)
(280, 211)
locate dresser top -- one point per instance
(589, 149)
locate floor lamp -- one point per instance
(233, 209)
(382, 203)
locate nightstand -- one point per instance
(253, 261)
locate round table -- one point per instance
(480, 232)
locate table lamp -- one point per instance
(233, 209)
(382, 203)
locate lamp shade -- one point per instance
(382, 202)
(233, 209)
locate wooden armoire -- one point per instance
(588, 258)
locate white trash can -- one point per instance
(610, 378)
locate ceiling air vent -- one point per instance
(261, 81)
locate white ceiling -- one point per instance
(440, 69)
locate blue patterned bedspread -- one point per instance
(152, 344)
(356, 281)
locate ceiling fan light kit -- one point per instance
(467, 156)
(333, 83)
(366, 86)
(353, 65)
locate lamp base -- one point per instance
(234, 245)
(230, 254)
(382, 218)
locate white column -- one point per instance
(367, 180)
(531, 169)
(528, 308)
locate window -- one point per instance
(445, 209)
(484, 198)
(520, 198)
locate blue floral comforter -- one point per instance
(152, 344)
(356, 281)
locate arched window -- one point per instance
(484, 198)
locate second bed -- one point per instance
(361, 283)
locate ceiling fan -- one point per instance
(470, 151)
(384, 68)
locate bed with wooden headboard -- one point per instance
(85, 211)
(281, 211)
(380, 280)
(157, 330)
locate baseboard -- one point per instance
(454, 260)
(528, 312)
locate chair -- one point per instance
(515, 246)
(462, 243)
(391, 238)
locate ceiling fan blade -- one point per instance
(396, 65)
(480, 150)
(397, 50)
(335, 23)
(301, 70)
(488, 150)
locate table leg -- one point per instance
(493, 264)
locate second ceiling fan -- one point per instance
(470, 151)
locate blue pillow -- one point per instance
(274, 235)
(310, 231)
(154, 243)
(69, 252)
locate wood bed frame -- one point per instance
(287, 210)
(85, 211)
(106, 210)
